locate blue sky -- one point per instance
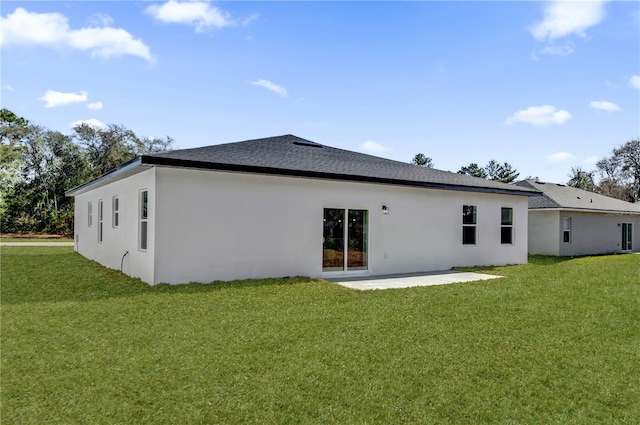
(542, 85)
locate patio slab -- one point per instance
(408, 280)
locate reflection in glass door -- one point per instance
(333, 240)
(357, 246)
(339, 240)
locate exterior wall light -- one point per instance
(385, 210)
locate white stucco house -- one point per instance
(286, 206)
(566, 221)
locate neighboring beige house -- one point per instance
(567, 221)
(285, 206)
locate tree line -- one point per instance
(492, 171)
(617, 175)
(37, 166)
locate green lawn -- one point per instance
(555, 342)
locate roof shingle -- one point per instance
(291, 155)
(559, 196)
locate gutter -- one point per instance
(588, 210)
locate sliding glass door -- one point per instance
(345, 240)
(627, 236)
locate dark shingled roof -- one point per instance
(293, 156)
(558, 196)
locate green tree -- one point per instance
(109, 148)
(504, 172)
(473, 170)
(422, 160)
(629, 157)
(493, 171)
(620, 173)
(51, 164)
(581, 179)
(13, 130)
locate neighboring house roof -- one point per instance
(293, 156)
(558, 196)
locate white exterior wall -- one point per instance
(223, 226)
(593, 233)
(544, 232)
(116, 241)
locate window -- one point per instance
(566, 229)
(90, 214)
(115, 208)
(100, 219)
(144, 215)
(469, 221)
(506, 226)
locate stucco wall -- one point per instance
(593, 233)
(223, 226)
(116, 241)
(544, 232)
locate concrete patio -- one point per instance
(408, 280)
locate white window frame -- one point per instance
(567, 230)
(143, 219)
(90, 214)
(473, 225)
(100, 220)
(504, 226)
(115, 212)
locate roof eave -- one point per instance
(589, 210)
(172, 162)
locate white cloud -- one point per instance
(561, 50)
(373, 147)
(560, 157)
(54, 98)
(8, 87)
(23, 28)
(200, 14)
(100, 19)
(246, 21)
(271, 86)
(634, 81)
(540, 116)
(91, 122)
(591, 160)
(95, 106)
(605, 106)
(563, 18)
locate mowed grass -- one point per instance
(554, 342)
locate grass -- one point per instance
(555, 342)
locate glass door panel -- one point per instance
(357, 249)
(333, 240)
(627, 236)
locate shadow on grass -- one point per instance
(58, 274)
(533, 260)
(547, 260)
